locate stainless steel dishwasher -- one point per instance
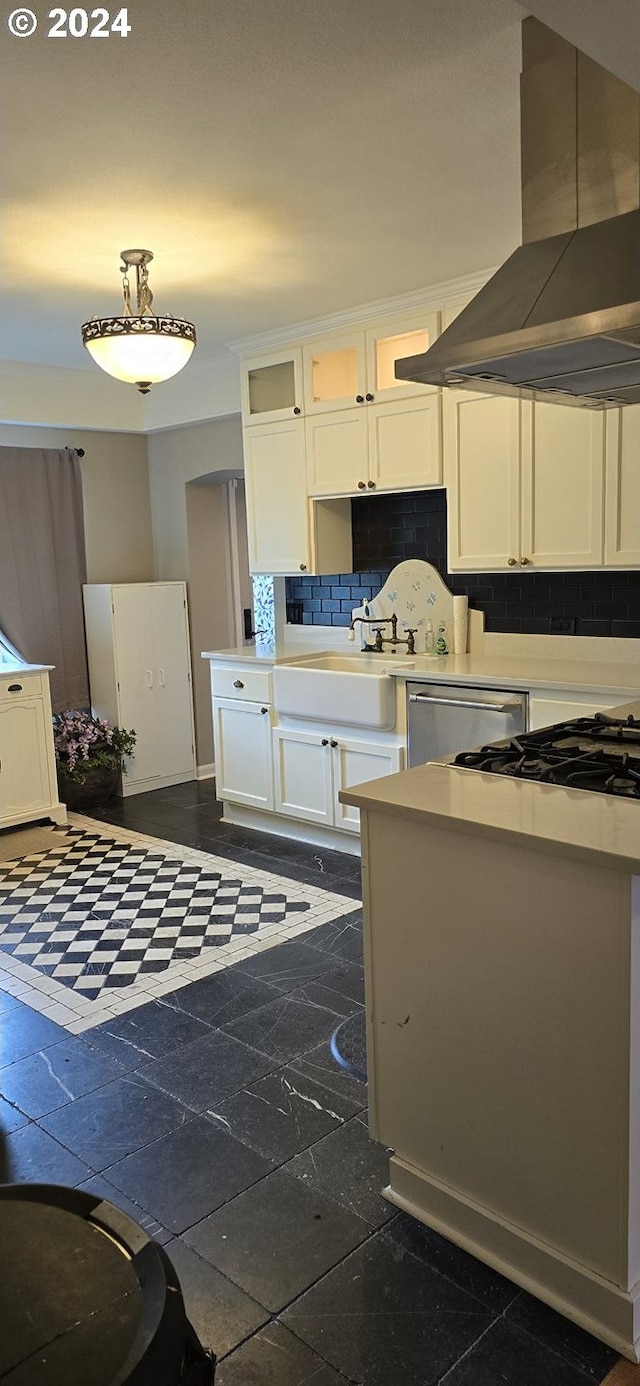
(443, 719)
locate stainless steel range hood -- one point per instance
(561, 319)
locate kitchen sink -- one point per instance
(355, 690)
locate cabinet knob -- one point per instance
(511, 562)
(371, 485)
(264, 709)
(359, 399)
(302, 567)
(325, 741)
(237, 683)
(296, 410)
(524, 562)
(332, 742)
(362, 485)
(369, 398)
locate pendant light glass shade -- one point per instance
(141, 349)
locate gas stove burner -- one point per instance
(576, 754)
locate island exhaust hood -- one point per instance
(561, 319)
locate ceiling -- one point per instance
(283, 159)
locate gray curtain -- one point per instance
(43, 565)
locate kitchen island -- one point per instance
(502, 957)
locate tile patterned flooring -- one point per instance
(215, 1109)
(105, 918)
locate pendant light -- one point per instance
(139, 348)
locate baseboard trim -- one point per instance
(206, 772)
(597, 1305)
(157, 782)
(280, 826)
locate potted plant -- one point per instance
(90, 757)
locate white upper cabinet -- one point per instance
(335, 373)
(622, 504)
(562, 486)
(272, 387)
(358, 368)
(482, 475)
(365, 430)
(526, 485)
(286, 532)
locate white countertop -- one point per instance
(543, 817)
(11, 670)
(498, 671)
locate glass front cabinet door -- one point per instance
(272, 387)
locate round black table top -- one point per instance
(71, 1300)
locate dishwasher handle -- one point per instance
(465, 702)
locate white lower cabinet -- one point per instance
(28, 781)
(310, 769)
(242, 739)
(562, 705)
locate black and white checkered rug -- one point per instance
(95, 915)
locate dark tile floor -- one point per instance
(219, 1120)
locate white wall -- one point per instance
(191, 539)
(117, 503)
(177, 456)
(54, 396)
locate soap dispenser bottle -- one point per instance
(441, 643)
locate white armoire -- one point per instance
(140, 676)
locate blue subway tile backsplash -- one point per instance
(390, 528)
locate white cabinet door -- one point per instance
(150, 640)
(242, 740)
(272, 386)
(303, 775)
(172, 677)
(562, 486)
(622, 499)
(24, 772)
(388, 342)
(335, 373)
(481, 436)
(338, 452)
(136, 677)
(355, 762)
(405, 443)
(276, 492)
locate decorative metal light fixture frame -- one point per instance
(140, 325)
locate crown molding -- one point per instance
(297, 332)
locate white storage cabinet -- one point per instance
(311, 767)
(140, 676)
(28, 781)
(241, 701)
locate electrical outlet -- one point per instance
(562, 625)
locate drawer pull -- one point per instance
(237, 683)
(14, 688)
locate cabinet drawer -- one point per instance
(231, 681)
(19, 685)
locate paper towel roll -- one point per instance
(460, 608)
